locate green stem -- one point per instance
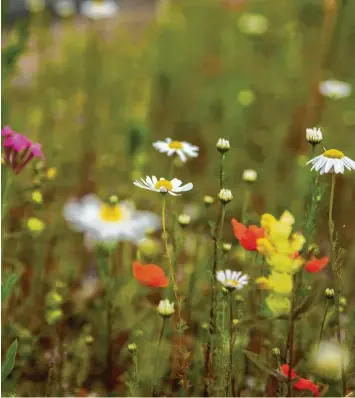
(230, 369)
(337, 284)
(323, 322)
(221, 172)
(290, 342)
(6, 180)
(158, 354)
(246, 200)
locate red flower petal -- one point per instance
(258, 232)
(248, 240)
(238, 229)
(316, 265)
(150, 275)
(301, 384)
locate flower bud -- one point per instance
(37, 196)
(149, 247)
(227, 247)
(343, 302)
(184, 220)
(165, 308)
(51, 173)
(223, 145)
(225, 196)
(208, 200)
(314, 136)
(54, 299)
(54, 317)
(239, 299)
(249, 175)
(89, 340)
(112, 200)
(276, 353)
(329, 293)
(35, 225)
(235, 322)
(132, 348)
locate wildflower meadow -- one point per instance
(178, 199)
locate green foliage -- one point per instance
(9, 362)
(7, 286)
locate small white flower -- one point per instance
(225, 195)
(326, 358)
(223, 145)
(332, 161)
(173, 187)
(165, 308)
(184, 220)
(253, 24)
(109, 222)
(227, 247)
(232, 279)
(335, 89)
(208, 200)
(99, 9)
(314, 135)
(249, 175)
(182, 148)
(64, 8)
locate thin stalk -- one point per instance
(337, 286)
(172, 168)
(290, 344)
(246, 200)
(323, 322)
(218, 241)
(221, 172)
(230, 368)
(158, 353)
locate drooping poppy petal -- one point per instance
(238, 228)
(301, 384)
(150, 275)
(316, 265)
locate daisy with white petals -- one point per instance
(173, 187)
(109, 222)
(98, 9)
(332, 161)
(182, 148)
(232, 279)
(335, 89)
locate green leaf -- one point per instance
(9, 361)
(7, 287)
(264, 366)
(307, 304)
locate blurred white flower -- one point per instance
(172, 187)
(35, 5)
(314, 135)
(109, 223)
(232, 279)
(326, 359)
(332, 161)
(182, 148)
(64, 8)
(99, 9)
(184, 220)
(249, 175)
(335, 89)
(253, 24)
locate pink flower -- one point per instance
(18, 149)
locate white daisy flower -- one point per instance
(332, 161)
(109, 222)
(314, 135)
(173, 187)
(182, 148)
(99, 9)
(232, 279)
(335, 89)
(165, 308)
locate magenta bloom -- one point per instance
(18, 149)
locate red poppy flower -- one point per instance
(150, 275)
(315, 264)
(301, 384)
(247, 236)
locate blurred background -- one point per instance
(96, 83)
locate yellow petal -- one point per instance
(278, 305)
(281, 282)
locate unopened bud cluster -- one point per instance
(54, 300)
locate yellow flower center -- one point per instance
(175, 145)
(164, 184)
(232, 282)
(333, 154)
(110, 213)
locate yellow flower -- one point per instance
(35, 225)
(278, 305)
(51, 173)
(37, 197)
(280, 283)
